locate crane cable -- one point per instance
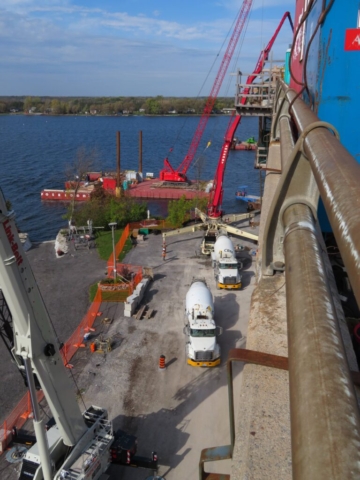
(206, 79)
(234, 63)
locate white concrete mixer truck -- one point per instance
(201, 349)
(226, 265)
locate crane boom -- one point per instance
(34, 335)
(179, 175)
(78, 442)
(216, 194)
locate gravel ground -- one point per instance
(176, 412)
(184, 409)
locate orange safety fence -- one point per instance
(77, 338)
(120, 245)
(23, 409)
(17, 417)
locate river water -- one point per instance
(35, 152)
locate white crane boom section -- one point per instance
(34, 336)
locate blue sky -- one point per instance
(129, 48)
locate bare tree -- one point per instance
(83, 163)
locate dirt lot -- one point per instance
(179, 411)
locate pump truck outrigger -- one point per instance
(79, 445)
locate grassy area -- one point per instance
(92, 292)
(104, 242)
(127, 247)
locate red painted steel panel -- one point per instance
(297, 64)
(352, 39)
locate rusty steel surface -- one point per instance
(325, 422)
(225, 452)
(257, 358)
(214, 454)
(337, 175)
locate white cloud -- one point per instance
(55, 48)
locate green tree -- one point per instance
(179, 211)
(104, 208)
(28, 103)
(152, 106)
(56, 107)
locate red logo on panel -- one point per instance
(352, 39)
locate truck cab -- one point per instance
(225, 264)
(227, 275)
(201, 347)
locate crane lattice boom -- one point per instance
(216, 194)
(168, 173)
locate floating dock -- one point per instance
(65, 195)
(149, 189)
(156, 189)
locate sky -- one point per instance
(131, 47)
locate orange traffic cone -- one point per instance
(162, 362)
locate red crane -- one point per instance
(216, 194)
(168, 173)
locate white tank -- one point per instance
(223, 248)
(199, 302)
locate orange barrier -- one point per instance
(162, 365)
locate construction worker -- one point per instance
(164, 253)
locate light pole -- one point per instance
(113, 225)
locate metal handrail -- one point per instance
(325, 420)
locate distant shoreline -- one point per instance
(111, 115)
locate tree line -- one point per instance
(111, 105)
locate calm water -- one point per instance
(36, 150)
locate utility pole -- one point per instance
(113, 225)
(118, 186)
